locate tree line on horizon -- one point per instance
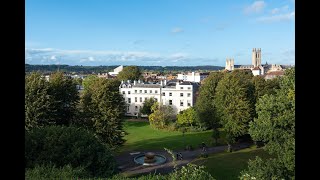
(79, 69)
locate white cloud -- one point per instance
(255, 7)
(177, 30)
(275, 11)
(53, 58)
(178, 56)
(283, 9)
(90, 57)
(277, 18)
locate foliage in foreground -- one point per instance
(190, 171)
(275, 126)
(60, 146)
(52, 172)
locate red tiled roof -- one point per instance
(276, 73)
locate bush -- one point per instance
(61, 145)
(172, 126)
(203, 155)
(52, 172)
(190, 171)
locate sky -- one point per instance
(158, 32)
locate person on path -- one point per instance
(204, 147)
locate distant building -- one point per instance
(193, 77)
(256, 67)
(116, 71)
(273, 74)
(105, 75)
(178, 95)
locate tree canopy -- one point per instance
(275, 126)
(130, 73)
(37, 101)
(161, 115)
(105, 107)
(187, 117)
(205, 106)
(146, 107)
(235, 104)
(65, 97)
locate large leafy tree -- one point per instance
(37, 101)
(65, 97)
(105, 107)
(275, 126)
(187, 117)
(130, 73)
(84, 113)
(88, 82)
(263, 86)
(235, 103)
(146, 107)
(205, 106)
(162, 115)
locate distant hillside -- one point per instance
(103, 69)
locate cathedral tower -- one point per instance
(256, 57)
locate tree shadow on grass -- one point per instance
(135, 124)
(175, 142)
(229, 165)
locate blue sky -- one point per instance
(158, 32)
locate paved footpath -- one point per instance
(127, 165)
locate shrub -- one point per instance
(190, 171)
(203, 155)
(52, 172)
(61, 145)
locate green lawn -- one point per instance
(227, 166)
(142, 137)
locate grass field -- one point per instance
(227, 166)
(142, 137)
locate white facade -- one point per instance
(178, 95)
(116, 71)
(193, 77)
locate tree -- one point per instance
(65, 97)
(162, 115)
(263, 86)
(234, 103)
(129, 73)
(146, 107)
(187, 117)
(205, 106)
(275, 126)
(61, 145)
(88, 81)
(105, 107)
(37, 101)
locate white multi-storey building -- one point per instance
(193, 77)
(116, 71)
(179, 95)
